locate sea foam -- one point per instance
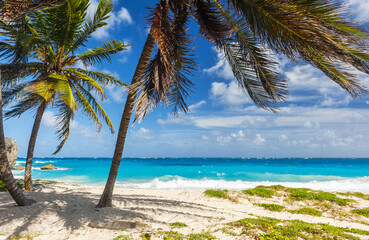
(345, 185)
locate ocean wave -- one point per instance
(38, 161)
(57, 169)
(344, 185)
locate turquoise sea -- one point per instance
(330, 174)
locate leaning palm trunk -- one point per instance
(5, 172)
(106, 197)
(31, 147)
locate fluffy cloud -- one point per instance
(143, 133)
(258, 139)
(360, 9)
(221, 69)
(49, 119)
(116, 18)
(195, 106)
(230, 94)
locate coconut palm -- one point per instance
(246, 31)
(14, 9)
(51, 39)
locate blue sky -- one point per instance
(318, 120)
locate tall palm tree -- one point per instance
(9, 11)
(313, 31)
(51, 40)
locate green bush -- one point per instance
(178, 224)
(272, 207)
(260, 191)
(216, 193)
(363, 212)
(307, 211)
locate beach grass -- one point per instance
(307, 211)
(356, 194)
(122, 237)
(173, 235)
(294, 229)
(216, 193)
(260, 191)
(272, 207)
(363, 212)
(178, 225)
(303, 194)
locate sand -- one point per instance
(64, 211)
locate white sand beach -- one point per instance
(66, 211)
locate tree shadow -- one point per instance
(74, 209)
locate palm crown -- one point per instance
(50, 39)
(248, 32)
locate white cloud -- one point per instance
(283, 137)
(143, 133)
(116, 18)
(84, 131)
(259, 139)
(230, 94)
(49, 119)
(125, 16)
(221, 69)
(360, 9)
(330, 102)
(117, 93)
(195, 106)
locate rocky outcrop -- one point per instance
(19, 167)
(48, 167)
(11, 151)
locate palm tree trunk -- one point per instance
(31, 147)
(106, 197)
(6, 174)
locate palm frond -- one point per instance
(309, 31)
(98, 54)
(93, 104)
(103, 78)
(11, 10)
(91, 25)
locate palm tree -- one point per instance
(14, 9)
(312, 31)
(51, 39)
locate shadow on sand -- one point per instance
(72, 210)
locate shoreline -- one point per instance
(67, 211)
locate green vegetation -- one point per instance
(217, 193)
(301, 194)
(200, 236)
(220, 194)
(307, 211)
(294, 229)
(18, 181)
(356, 194)
(363, 212)
(260, 191)
(2, 186)
(28, 236)
(272, 207)
(122, 237)
(178, 224)
(172, 235)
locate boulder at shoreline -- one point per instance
(48, 167)
(11, 151)
(18, 168)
